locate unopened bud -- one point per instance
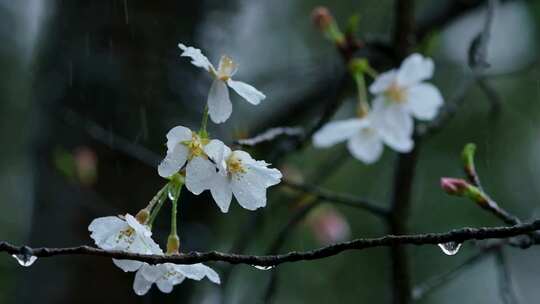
(142, 216)
(173, 244)
(454, 186)
(322, 18)
(460, 187)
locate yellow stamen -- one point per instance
(234, 165)
(226, 68)
(195, 145)
(396, 93)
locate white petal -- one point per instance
(221, 191)
(199, 172)
(144, 245)
(217, 151)
(165, 286)
(177, 135)
(219, 103)
(393, 123)
(249, 93)
(249, 187)
(139, 228)
(258, 170)
(197, 58)
(399, 142)
(249, 196)
(415, 69)
(105, 229)
(140, 284)
(424, 101)
(389, 115)
(128, 265)
(174, 161)
(197, 272)
(366, 146)
(153, 273)
(337, 131)
(383, 82)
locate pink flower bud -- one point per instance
(454, 186)
(322, 17)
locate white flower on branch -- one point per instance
(123, 234)
(237, 173)
(185, 146)
(219, 103)
(167, 275)
(364, 137)
(402, 94)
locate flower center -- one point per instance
(396, 93)
(226, 68)
(234, 165)
(127, 235)
(195, 145)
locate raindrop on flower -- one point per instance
(25, 260)
(450, 248)
(263, 267)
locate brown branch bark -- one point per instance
(403, 41)
(458, 235)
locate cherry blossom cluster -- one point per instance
(201, 163)
(399, 96)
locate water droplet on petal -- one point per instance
(450, 248)
(259, 267)
(25, 260)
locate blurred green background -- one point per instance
(87, 87)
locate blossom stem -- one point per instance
(203, 133)
(161, 196)
(157, 197)
(173, 242)
(363, 105)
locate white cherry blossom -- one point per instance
(363, 136)
(237, 174)
(402, 94)
(219, 103)
(124, 234)
(167, 275)
(185, 146)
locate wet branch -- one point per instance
(458, 235)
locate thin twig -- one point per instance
(339, 198)
(110, 139)
(506, 289)
(272, 134)
(458, 235)
(439, 280)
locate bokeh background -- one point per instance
(88, 90)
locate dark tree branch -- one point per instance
(458, 235)
(404, 24)
(338, 198)
(403, 41)
(399, 214)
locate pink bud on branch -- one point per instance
(460, 187)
